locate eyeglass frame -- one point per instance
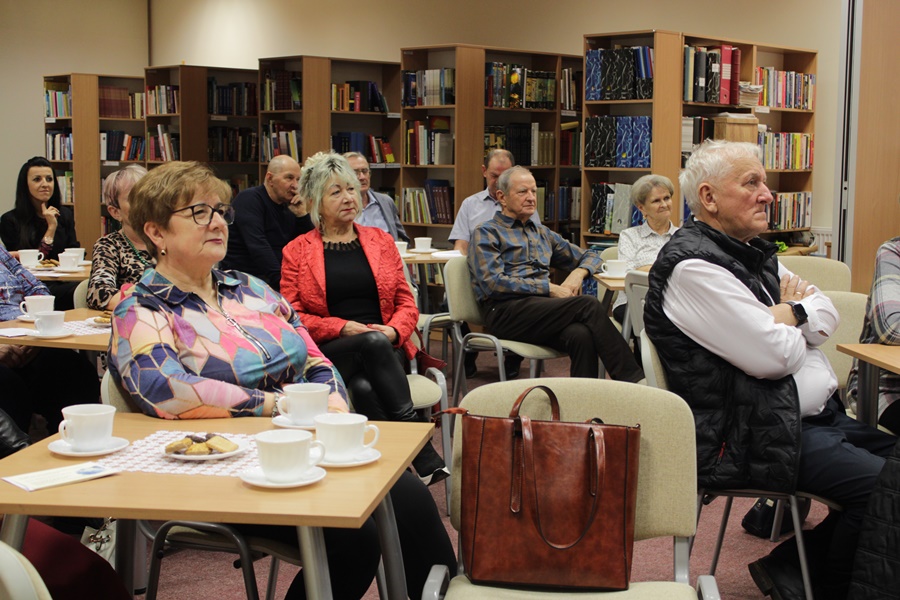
(227, 213)
(365, 171)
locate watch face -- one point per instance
(799, 313)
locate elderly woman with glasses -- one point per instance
(190, 342)
(119, 258)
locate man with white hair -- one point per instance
(737, 334)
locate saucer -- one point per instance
(423, 250)
(51, 336)
(63, 448)
(448, 254)
(40, 268)
(369, 455)
(243, 445)
(605, 276)
(407, 255)
(68, 269)
(256, 477)
(283, 421)
(27, 318)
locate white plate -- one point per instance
(51, 336)
(422, 250)
(40, 268)
(256, 477)
(63, 448)
(605, 276)
(27, 318)
(369, 455)
(448, 254)
(283, 421)
(243, 445)
(68, 269)
(95, 323)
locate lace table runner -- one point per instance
(148, 456)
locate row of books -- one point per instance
(621, 142)
(786, 89)
(570, 146)
(611, 208)
(566, 205)
(429, 87)
(119, 145)
(232, 144)
(57, 99)
(232, 98)
(619, 73)
(282, 90)
(241, 182)
(65, 183)
(358, 96)
(790, 211)
(432, 204)
(570, 86)
(281, 137)
(516, 86)
(163, 100)
(376, 148)
(429, 142)
(164, 145)
(525, 141)
(58, 144)
(711, 74)
(787, 150)
(115, 102)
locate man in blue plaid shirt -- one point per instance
(510, 259)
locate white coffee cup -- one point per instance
(69, 261)
(32, 305)
(50, 322)
(79, 252)
(614, 268)
(30, 258)
(343, 435)
(87, 427)
(423, 243)
(286, 454)
(401, 247)
(303, 402)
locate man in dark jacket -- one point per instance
(738, 335)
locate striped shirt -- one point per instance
(509, 260)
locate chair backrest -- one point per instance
(79, 296)
(667, 478)
(636, 288)
(19, 580)
(111, 393)
(824, 273)
(460, 296)
(611, 253)
(653, 368)
(852, 308)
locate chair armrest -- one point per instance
(707, 588)
(437, 583)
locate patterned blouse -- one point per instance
(181, 359)
(115, 262)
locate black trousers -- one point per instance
(353, 553)
(374, 372)
(576, 325)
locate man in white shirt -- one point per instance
(737, 334)
(378, 210)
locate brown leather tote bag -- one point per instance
(548, 504)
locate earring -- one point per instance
(163, 251)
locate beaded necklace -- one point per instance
(137, 252)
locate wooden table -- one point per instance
(98, 342)
(872, 358)
(45, 275)
(345, 498)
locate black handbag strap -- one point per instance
(554, 403)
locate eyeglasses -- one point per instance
(203, 213)
(361, 171)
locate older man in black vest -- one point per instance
(738, 334)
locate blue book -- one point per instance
(624, 144)
(640, 142)
(592, 88)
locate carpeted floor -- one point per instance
(200, 575)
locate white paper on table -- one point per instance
(39, 480)
(16, 332)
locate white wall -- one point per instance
(236, 33)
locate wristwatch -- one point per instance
(799, 313)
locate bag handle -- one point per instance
(597, 472)
(554, 403)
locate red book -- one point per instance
(726, 75)
(735, 74)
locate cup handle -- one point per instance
(22, 307)
(62, 430)
(40, 256)
(375, 440)
(279, 403)
(321, 456)
(603, 268)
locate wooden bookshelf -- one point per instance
(469, 114)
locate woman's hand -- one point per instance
(51, 215)
(387, 330)
(337, 404)
(353, 328)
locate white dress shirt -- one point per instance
(713, 308)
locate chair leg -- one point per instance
(801, 548)
(725, 514)
(381, 580)
(776, 522)
(272, 583)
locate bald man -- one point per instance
(266, 218)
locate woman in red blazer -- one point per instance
(347, 284)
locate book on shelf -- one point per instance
(137, 104)
(699, 94)
(58, 144)
(600, 141)
(725, 74)
(429, 87)
(624, 142)
(593, 87)
(114, 102)
(568, 202)
(165, 145)
(65, 182)
(282, 90)
(571, 89)
(163, 100)
(791, 210)
(621, 215)
(414, 208)
(239, 98)
(643, 72)
(422, 140)
(57, 99)
(439, 202)
(713, 74)
(241, 182)
(611, 208)
(232, 144)
(443, 148)
(735, 75)
(570, 146)
(281, 137)
(787, 150)
(786, 89)
(688, 73)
